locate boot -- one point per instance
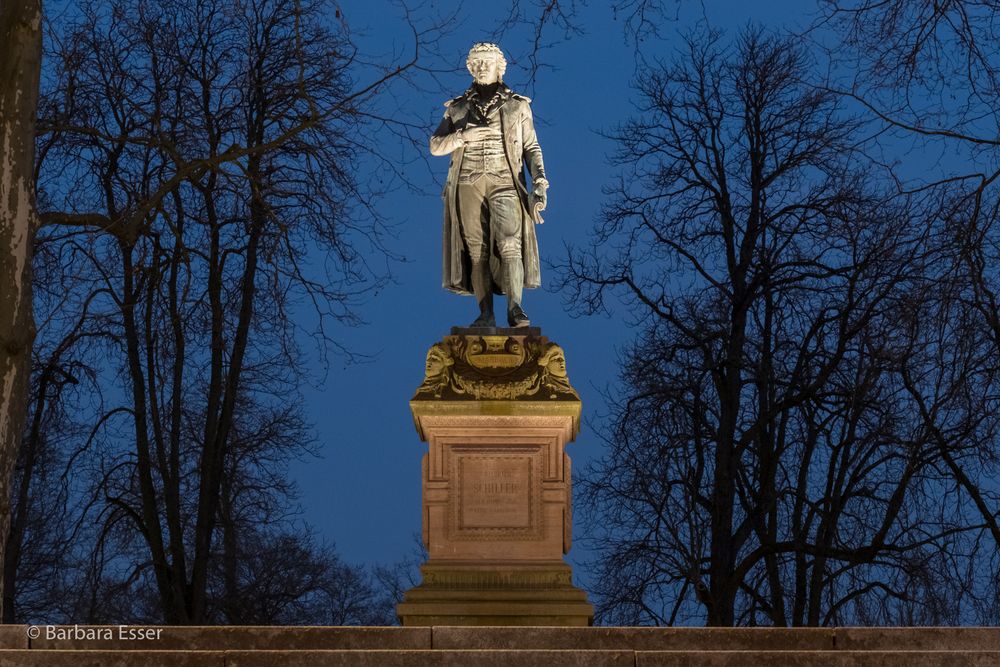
(513, 272)
(482, 288)
(516, 317)
(486, 318)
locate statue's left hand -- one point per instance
(538, 202)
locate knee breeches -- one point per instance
(490, 212)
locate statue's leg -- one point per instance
(514, 274)
(482, 288)
(475, 219)
(505, 210)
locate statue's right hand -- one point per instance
(479, 132)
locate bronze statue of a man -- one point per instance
(489, 215)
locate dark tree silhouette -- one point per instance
(191, 155)
(929, 75)
(766, 463)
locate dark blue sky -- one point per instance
(364, 494)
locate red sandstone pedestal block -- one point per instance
(497, 412)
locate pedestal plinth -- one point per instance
(497, 411)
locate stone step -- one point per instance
(494, 658)
(287, 638)
(817, 658)
(306, 658)
(217, 638)
(918, 639)
(733, 639)
(637, 639)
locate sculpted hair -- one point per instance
(550, 354)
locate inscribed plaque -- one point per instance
(494, 492)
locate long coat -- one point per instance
(522, 151)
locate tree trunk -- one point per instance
(19, 510)
(20, 67)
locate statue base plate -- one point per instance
(499, 593)
(496, 331)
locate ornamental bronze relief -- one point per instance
(495, 367)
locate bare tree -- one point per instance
(761, 466)
(930, 75)
(194, 152)
(64, 377)
(546, 23)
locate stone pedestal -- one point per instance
(497, 411)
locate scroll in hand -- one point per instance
(538, 205)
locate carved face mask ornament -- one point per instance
(437, 362)
(557, 365)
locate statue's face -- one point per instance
(485, 69)
(435, 364)
(557, 365)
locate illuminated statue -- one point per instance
(489, 215)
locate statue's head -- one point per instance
(486, 63)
